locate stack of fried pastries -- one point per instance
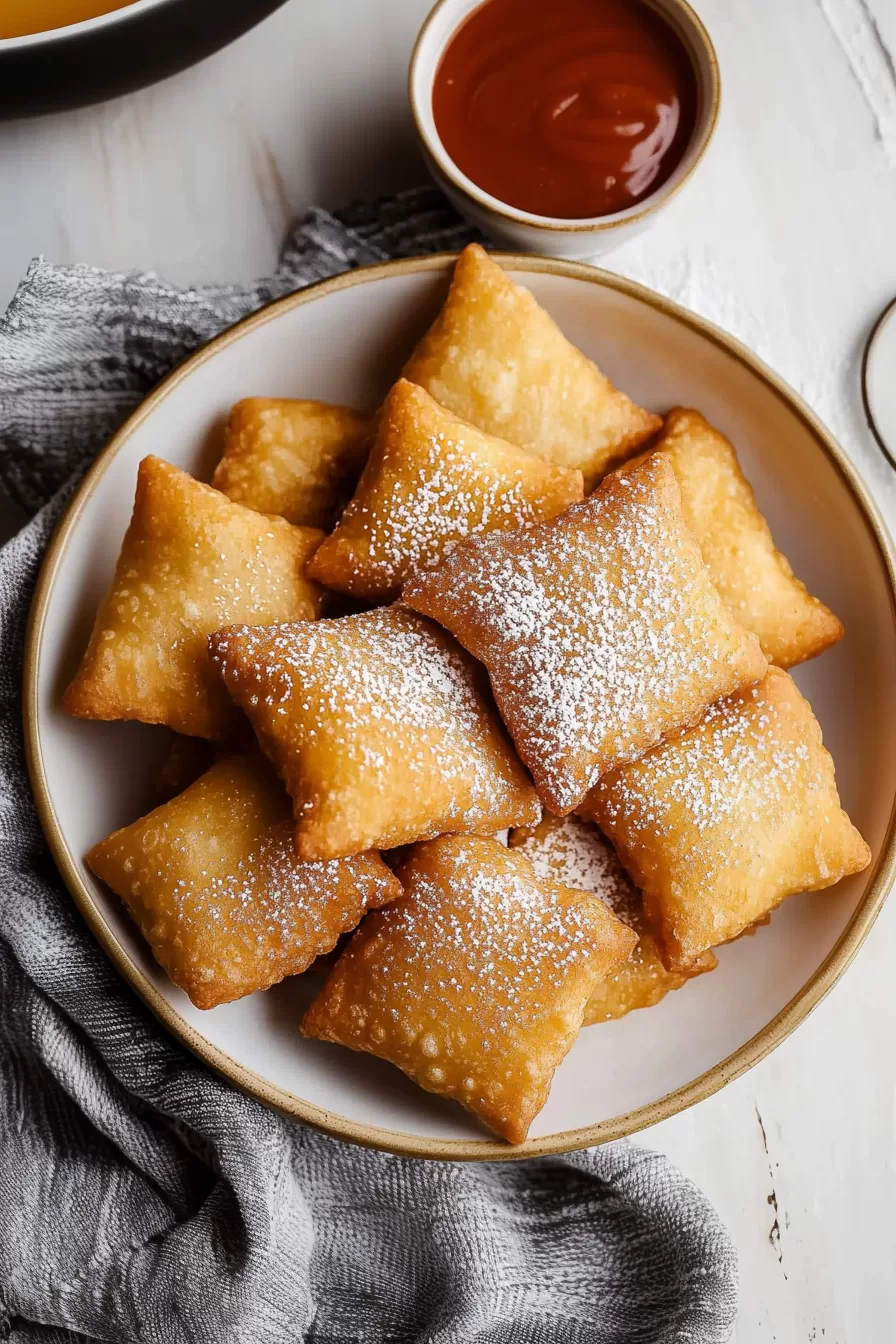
(574, 627)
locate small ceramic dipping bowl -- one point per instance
(521, 230)
(117, 52)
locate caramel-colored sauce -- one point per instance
(20, 17)
(566, 108)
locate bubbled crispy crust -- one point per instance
(191, 561)
(298, 459)
(213, 881)
(430, 481)
(379, 728)
(572, 852)
(601, 630)
(751, 574)
(494, 357)
(718, 825)
(475, 982)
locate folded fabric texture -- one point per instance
(144, 1199)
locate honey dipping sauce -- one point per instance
(566, 108)
(19, 17)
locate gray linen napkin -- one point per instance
(142, 1198)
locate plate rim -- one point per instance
(389, 1140)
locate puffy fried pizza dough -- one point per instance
(298, 459)
(748, 570)
(719, 825)
(476, 981)
(601, 630)
(494, 357)
(572, 853)
(213, 881)
(191, 561)
(379, 728)
(293, 457)
(430, 481)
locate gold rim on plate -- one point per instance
(395, 1141)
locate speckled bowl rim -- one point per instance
(444, 163)
(878, 881)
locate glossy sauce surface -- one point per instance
(566, 108)
(20, 17)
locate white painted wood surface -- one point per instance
(787, 237)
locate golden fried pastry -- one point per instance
(378, 726)
(601, 630)
(719, 825)
(572, 853)
(431, 480)
(213, 881)
(475, 982)
(299, 459)
(495, 358)
(191, 561)
(750, 573)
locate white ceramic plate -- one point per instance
(344, 340)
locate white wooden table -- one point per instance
(787, 237)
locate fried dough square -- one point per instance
(430, 481)
(213, 882)
(298, 459)
(751, 574)
(474, 983)
(494, 357)
(191, 561)
(379, 728)
(601, 630)
(719, 825)
(572, 853)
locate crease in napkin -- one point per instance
(143, 1200)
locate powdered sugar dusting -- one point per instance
(265, 898)
(391, 694)
(733, 782)
(432, 481)
(446, 498)
(573, 853)
(214, 881)
(190, 562)
(733, 765)
(600, 631)
(480, 937)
